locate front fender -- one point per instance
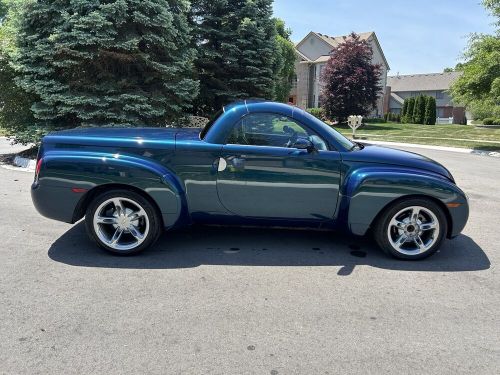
(367, 191)
(65, 170)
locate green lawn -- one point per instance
(467, 136)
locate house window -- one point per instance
(439, 95)
(440, 112)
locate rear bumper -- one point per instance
(56, 203)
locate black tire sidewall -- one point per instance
(380, 230)
(153, 216)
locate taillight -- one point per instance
(38, 167)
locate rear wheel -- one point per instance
(122, 222)
(411, 229)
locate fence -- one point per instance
(444, 120)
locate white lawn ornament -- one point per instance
(354, 123)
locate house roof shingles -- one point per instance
(422, 82)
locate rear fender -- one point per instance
(368, 191)
(87, 171)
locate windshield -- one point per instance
(210, 123)
(346, 143)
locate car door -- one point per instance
(261, 175)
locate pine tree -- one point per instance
(351, 80)
(419, 110)
(430, 111)
(236, 42)
(106, 62)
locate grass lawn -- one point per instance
(467, 136)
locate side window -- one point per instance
(271, 129)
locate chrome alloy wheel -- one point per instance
(121, 223)
(413, 230)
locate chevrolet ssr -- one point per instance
(254, 163)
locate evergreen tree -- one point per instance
(284, 62)
(351, 80)
(236, 42)
(409, 110)
(16, 117)
(106, 62)
(419, 110)
(405, 108)
(430, 111)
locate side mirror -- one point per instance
(304, 144)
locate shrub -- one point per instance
(317, 112)
(375, 120)
(489, 121)
(398, 118)
(386, 116)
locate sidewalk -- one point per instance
(431, 147)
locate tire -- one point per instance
(399, 234)
(122, 222)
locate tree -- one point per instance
(351, 80)
(236, 43)
(16, 118)
(409, 110)
(479, 85)
(404, 110)
(106, 62)
(494, 7)
(430, 110)
(419, 110)
(284, 62)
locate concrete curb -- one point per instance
(437, 148)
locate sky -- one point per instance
(423, 36)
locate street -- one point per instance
(249, 301)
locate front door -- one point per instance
(261, 175)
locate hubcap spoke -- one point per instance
(106, 220)
(116, 236)
(419, 243)
(401, 240)
(119, 208)
(414, 214)
(134, 216)
(428, 226)
(134, 232)
(398, 224)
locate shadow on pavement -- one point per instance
(263, 247)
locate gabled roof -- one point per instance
(334, 41)
(301, 55)
(422, 82)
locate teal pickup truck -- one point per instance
(255, 163)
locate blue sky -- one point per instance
(422, 36)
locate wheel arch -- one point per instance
(446, 212)
(89, 196)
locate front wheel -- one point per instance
(122, 222)
(411, 229)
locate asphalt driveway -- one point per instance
(241, 301)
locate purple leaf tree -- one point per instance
(350, 80)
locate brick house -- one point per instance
(313, 53)
(437, 85)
